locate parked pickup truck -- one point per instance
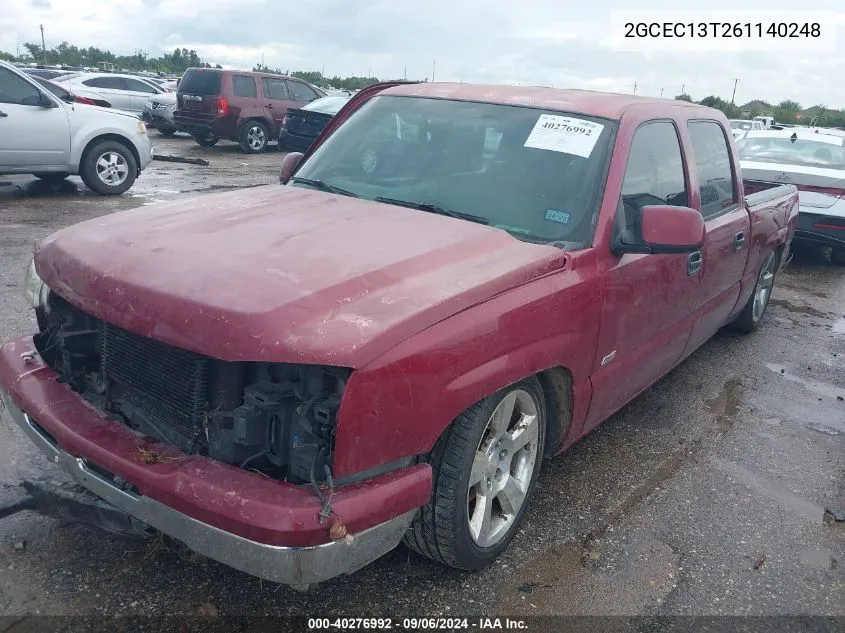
(455, 282)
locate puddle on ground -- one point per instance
(725, 404)
(799, 505)
(807, 310)
(820, 388)
(817, 559)
(818, 294)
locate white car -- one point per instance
(740, 126)
(815, 163)
(44, 136)
(124, 92)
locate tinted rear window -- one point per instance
(244, 86)
(200, 82)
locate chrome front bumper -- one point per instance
(296, 566)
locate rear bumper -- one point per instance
(218, 127)
(820, 230)
(294, 142)
(258, 525)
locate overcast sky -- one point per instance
(545, 42)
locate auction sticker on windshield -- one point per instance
(564, 134)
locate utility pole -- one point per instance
(635, 87)
(43, 45)
(661, 93)
(433, 66)
(734, 93)
(682, 89)
(406, 73)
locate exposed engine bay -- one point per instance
(278, 419)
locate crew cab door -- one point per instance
(649, 301)
(728, 228)
(33, 135)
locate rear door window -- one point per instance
(110, 83)
(244, 86)
(275, 89)
(713, 163)
(201, 82)
(300, 92)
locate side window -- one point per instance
(112, 83)
(300, 92)
(244, 86)
(15, 90)
(275, 88)
(139, 86)
(713, 162)
(655, 170)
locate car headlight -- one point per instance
(35, 291)
(142, 129)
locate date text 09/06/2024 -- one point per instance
(416, 624)
(722, 30)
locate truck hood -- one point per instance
(283, 274)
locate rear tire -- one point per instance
(206, 141)
(752, 314)
(109, 168)
(253, 137)
(484, 468)
(52, 177)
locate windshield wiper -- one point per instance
(433, 208)
(324, 186)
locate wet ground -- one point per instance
(706, 496)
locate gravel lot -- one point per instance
(705, 496)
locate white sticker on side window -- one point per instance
(564, 134)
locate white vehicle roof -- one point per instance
(800, 133)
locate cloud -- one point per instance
(496, 41)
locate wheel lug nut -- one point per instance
(503, 454)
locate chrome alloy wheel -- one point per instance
(112, 169)
(502, 468)
(763, 290)
(255, 137)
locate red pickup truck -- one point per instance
(453, 283)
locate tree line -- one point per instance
(787, 111)
(181, 59)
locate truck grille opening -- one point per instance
(164, 381)
(276, 418)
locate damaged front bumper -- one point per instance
(263, 527)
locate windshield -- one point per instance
(742, 125)
(200, 82)
(327, 105)
(534, 173)
(784, 150)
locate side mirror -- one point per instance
(665, 230)
(289, 164)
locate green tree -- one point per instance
(786, 111)
(683, 97)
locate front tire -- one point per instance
(484, 467)
(167, 131)
(109, 168)
(253, 137)
(752, 314)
